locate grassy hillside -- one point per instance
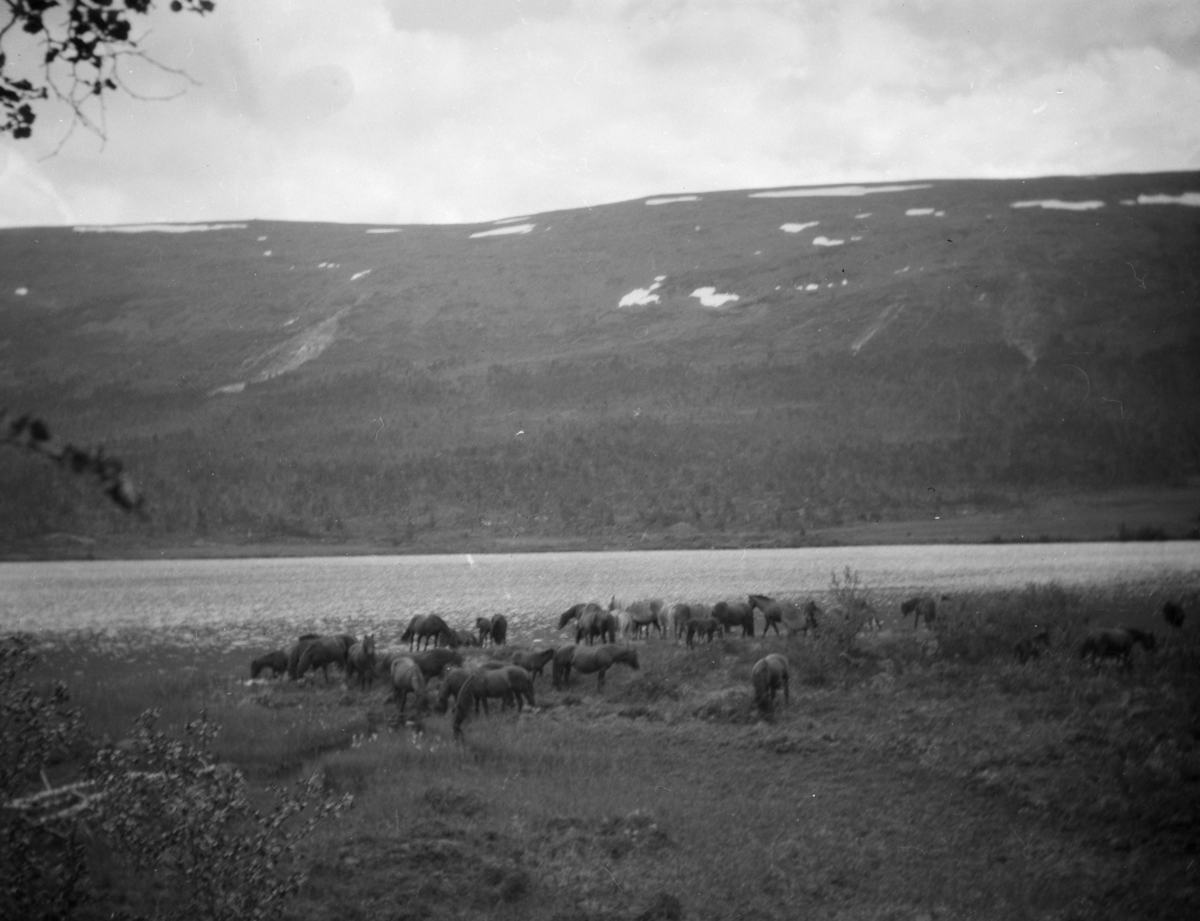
(952, 358)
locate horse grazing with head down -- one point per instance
(428, 627)
(324, 652)
(597, 623)
(576, 611)
(407, 679)
(707, 628)
(640, 615)
(599, 659)
(1115, 643)
(770, 673)
(360, 662)
(276, 661)
(922, 607)
(733, 614)
(533, 662)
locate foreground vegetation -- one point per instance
(915, 773)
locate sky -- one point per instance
(462, 111)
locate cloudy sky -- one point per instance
(424, 111)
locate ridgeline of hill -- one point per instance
(912, 362)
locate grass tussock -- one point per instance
(912, 771)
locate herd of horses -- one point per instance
(430, 650)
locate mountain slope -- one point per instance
(719, 367)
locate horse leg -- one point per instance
(600, 679)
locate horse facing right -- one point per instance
(1115, 643)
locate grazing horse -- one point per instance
(451, 687)
(324, 652)
(494, 683)
(576, 611)
(921, 607)
(1172, 613)
(795, 618)
(600, 659)
(296, 650)
(426, 627)
(434, 662)
(463, 700)
(467, 638)
(561, 670)
(407, 679)
(1115, 643)
(533, 662)
(1030, 647)
(642, 614)
(360, 662)
(732, 614)
(520, 684)
(706, 628)
(597, 623)
(678, 616)
(770, 673)
(276, 661)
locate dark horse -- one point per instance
(597, 623)
(796, 618)
(733, 614)
(533, 662)
(1115, 643)
(360, 662)
(296, 650)
(428, 627)
(276, 661)
(494, 629)
(922, 607)
(1172, 612)
(705, 628)
(599, 659)
(434, 662)
(770, 673)
(576, 611)
(324, 652)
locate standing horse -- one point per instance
(426, 627)
(561, 670)
(1115, 643)
(576, 611)
(533, 662)
(360, 662)
(433, 662)
(642, 615)
(600, 659)
(770, 673)
(324, 652)
(732, 614)
(451, 686)
(462, 705)
(296, 650)
(922, 607)
(597, 623)
(407, 679)
(795, 618)
(706, 628)
(499, 630)
(276, 661)
(520, 684)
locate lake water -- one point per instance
(252, 600)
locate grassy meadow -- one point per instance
(914, 773)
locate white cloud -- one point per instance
(422, 111)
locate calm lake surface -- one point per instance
(249, 600)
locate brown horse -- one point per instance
(324, 652)
(733, 614)
(451, 686)
(467, 638)
(770, 673)
(360, 662)
(407, 679)
(576, 611)
(922, 607)
(708, 627)
(1030, 647)
(795, 618)
(600, 659)
(296, 650)
(562, 664)
(499, 630)
(276, 661)
(533, 662)
(466, 696)
(1115, 643)
(434, 662)
(597, 623)
(428, 627)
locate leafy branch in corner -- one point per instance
(31, 434)
(70, 50)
